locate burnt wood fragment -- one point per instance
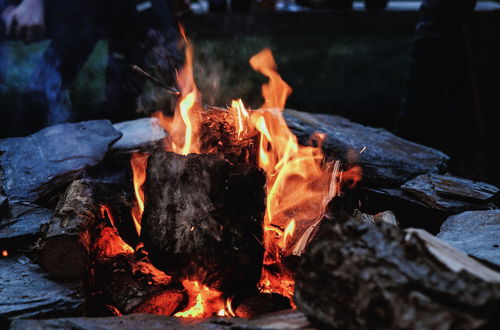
(132, 285)
(203, 219)
(66, 246)
(261, 304)
(378, 276)
(27, 291)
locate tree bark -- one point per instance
(363, 276)
(66, 246)
(203, 219)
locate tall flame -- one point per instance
(299, 185)
(138, 162)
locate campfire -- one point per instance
(230, 198)
(226, 214)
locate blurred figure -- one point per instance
(436, 56)
(138, 32)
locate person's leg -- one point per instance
(73, 33)
(433, 62)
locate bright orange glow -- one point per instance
(203, 301)
(300, 184)
(138, 162)
(110, 243)
(5, 253)
(242, 117)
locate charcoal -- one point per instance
(378, 276)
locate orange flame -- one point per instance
(203, 301)
(299, 186)
(110, 243)
(138, 162)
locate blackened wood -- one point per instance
(378, 276)
(66, 246)
(261, 304)
(27, 291)
(203, 218)
(131, 284)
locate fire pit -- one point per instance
(226, 214)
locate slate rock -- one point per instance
(281, 320)
(387, 159)
(36, 165)
(476, 233)
(28, 292)
(451, 194)
(138, 134)
(23, 227)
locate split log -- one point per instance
(26, 291)
(65, 249)
(203, 219)
(133, 285)
(378, 276)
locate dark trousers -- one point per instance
(436, 60)
(136, 31)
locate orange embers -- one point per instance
(5, 253)
(203, 301)
(110, 243)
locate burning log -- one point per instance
(133, 285)
(379, 276)
(65, 249)
(203, 219)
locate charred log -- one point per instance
(378, 276)
(262, 303)
(203, 219)
(66, 246)
(133, 285)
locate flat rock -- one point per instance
(36, 165)
(477, 233)
(28, 292)
(276, 321)
(138, 134)
(386, 159)
(451, 194)
(22, 228)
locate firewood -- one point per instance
(262, 303)
(359, 276)
(65, 249)
(132, 285)
(203, 219)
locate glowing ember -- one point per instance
(5, 253)
(203, 301)
(110, 243)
